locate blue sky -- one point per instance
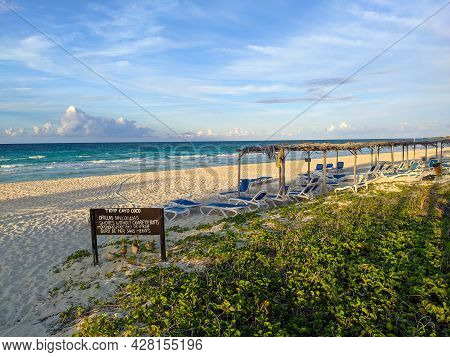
(222, 70)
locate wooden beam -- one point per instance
(324, 170)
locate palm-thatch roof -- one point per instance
(273, 149)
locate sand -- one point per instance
(43, 222)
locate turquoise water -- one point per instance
(27, 162)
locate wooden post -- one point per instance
(337, 160)
(354, 166)
(93, 237)
(436, 151)
(441, 153)
(378, 153)
(403, 152)
(426, 152)
(392, 155)
(407, 154)
(279, 179)
(162, 238)
(324, 169)
(414, 151)
(309, 166)
(239, 175)
(283, 173)
(371, 156)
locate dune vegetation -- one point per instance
(372, 264)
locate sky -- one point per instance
(172, 70)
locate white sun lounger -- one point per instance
(170, 213)
(278, 198)
(224, 208)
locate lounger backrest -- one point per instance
(315, 179)
(245, 185)
(414, 166)
(260, 196)
(329, 166)
(340, 165)
(432, 162)
(319, 167)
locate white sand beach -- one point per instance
(43, 222)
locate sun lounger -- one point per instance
(340, 166)
(243, 188)
(257, 200)
(330, 166)
(172, 212)
(279, 197)
(363, 182)
(184, 203)
(260, 180)
(224, 208)
(308, 192)
(414, 171)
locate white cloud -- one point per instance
(43, 130)
(238, 132)
(208, 133)
(342, 127)
(76, 123)
(268, 50)
(11, 132)
(33, 52)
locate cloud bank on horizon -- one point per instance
(223, 70)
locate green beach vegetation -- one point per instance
(372, 264)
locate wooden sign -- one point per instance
(127, 221)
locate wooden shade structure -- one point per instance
(273, 150)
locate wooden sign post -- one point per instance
(127, 221)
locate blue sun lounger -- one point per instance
(184, 203)
(257, 200)
(243, 188)
(223, 208)
(308, 192)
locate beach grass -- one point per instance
(373, 264)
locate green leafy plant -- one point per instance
(376, 265)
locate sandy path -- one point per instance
(43, 222)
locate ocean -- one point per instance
(29, 162)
